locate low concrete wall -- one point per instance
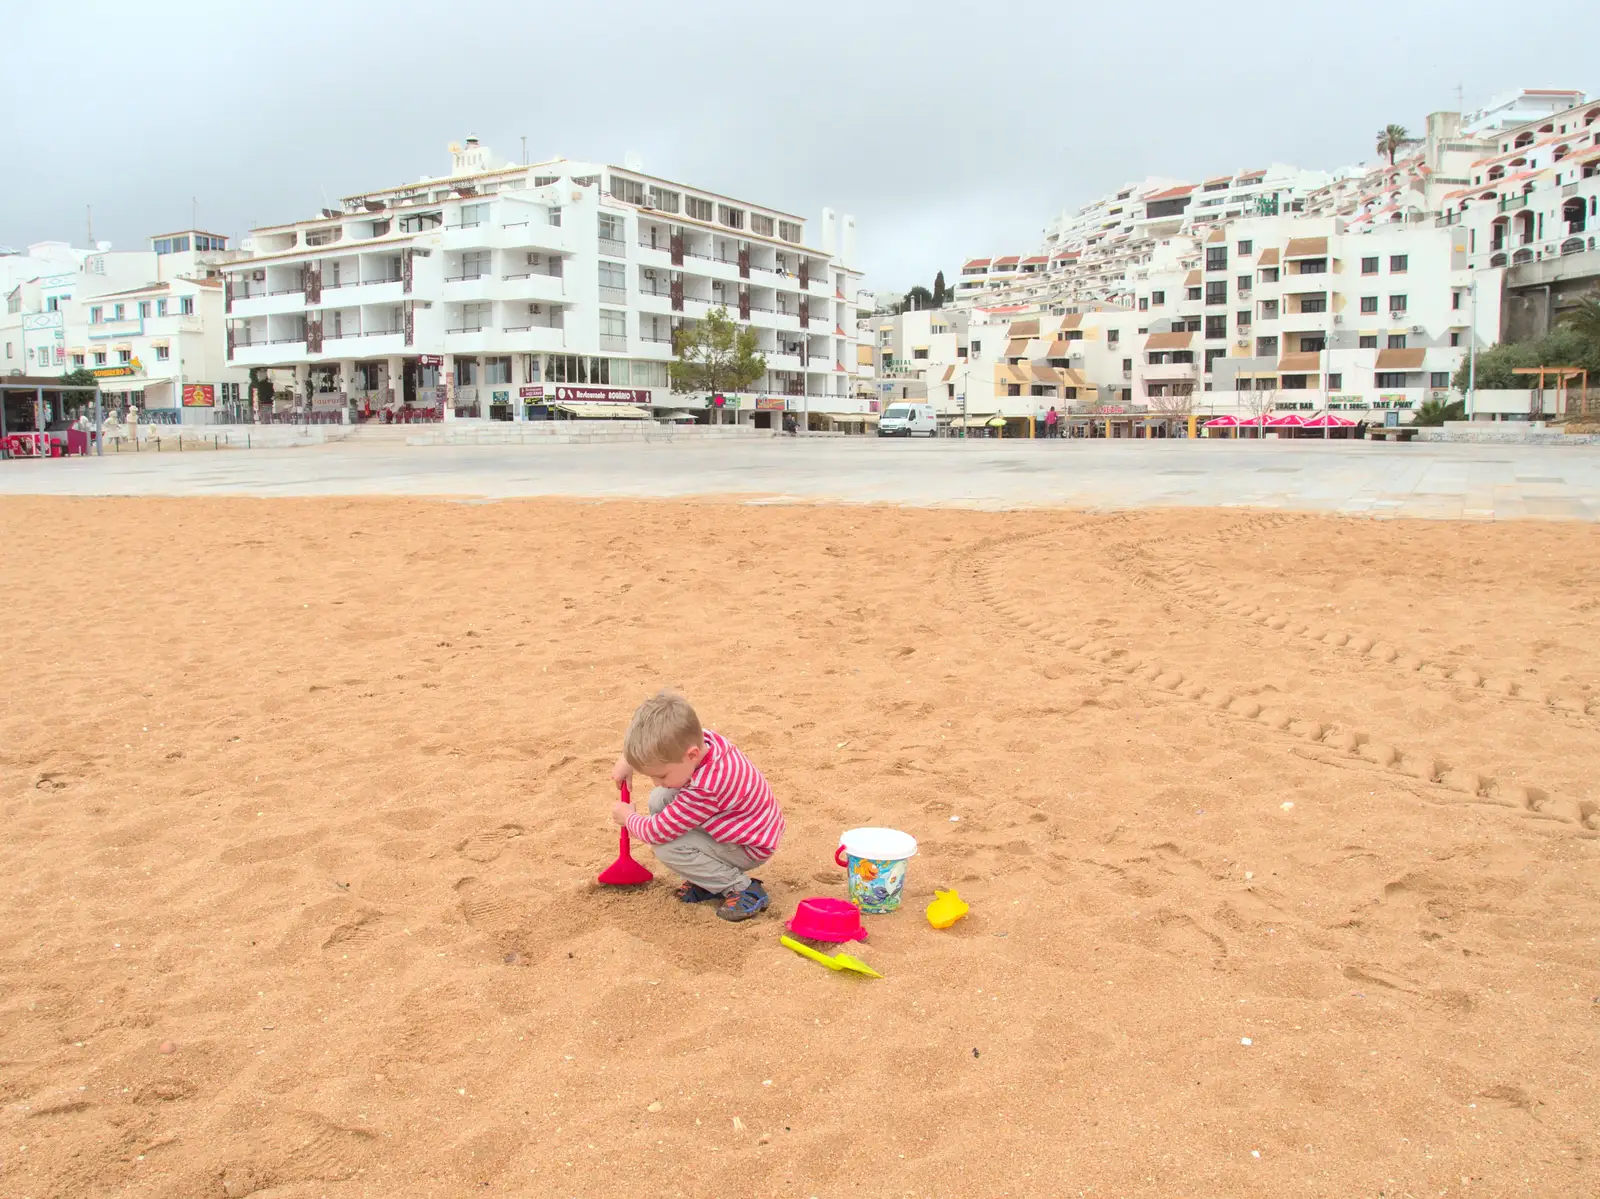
(1505, 433)
(576, 432)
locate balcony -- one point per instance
(613, 248)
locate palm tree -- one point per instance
(1584, 320)
(1391, 139)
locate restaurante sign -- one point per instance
(602, 395)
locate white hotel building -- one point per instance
(515, 291)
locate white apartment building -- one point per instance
(503, 291)
(148, 324)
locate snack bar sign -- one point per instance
(602, 395)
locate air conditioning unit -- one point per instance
(1397, 316)
(535, 309)
(649, 274)
(1243, 343)
(1418, 329)
(648, 204)
(1338, 318)
(259, 276)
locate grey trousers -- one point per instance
(695, 856)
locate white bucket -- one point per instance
(875, 861)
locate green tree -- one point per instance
(1390, 139)
(715, 355)
(1436, 412)
(917, 299)
(940, 295)
(81, 377)
(261, 385)
(1564, 346)
(1584, 320)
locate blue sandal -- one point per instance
(694, 893)
(744, 904)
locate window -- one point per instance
(1369, 266)
(162, 354)
(1144, 304)
(1439, 380)
(1242, 318)
(94, 315)
(51, 304)
(1242, 283)
(1397, 303)
(733, 218)
(1335, 382)
(78, 360)
(762, 225)
(144, 309)
(161, 308)
(700, 210)
(1269, 274)
(613, 324)
(1217, 292)
(1113, 336)
(629, 191)
(1314, 266)
(185, 305)
(1266, 347)
(1397, 341)
(1313, 343)
(789, 231)
(473, 214)
(1245, 249)
(1158, 298)
(1217, 326)
(99, 357)
(1127, 365)
(497, 370)
(1368, 341)
(613, 283)
(1397, 263)
(1369, 303)
(466, 371)
(1192, 293)
(612, 231)
(1314, 304)
(1212, 356)
(1390, 378)
(1455, 337)
(666, 201)
(1217, 258)
(1293, 382)
(920, 352)
(1013, 389)
(1455, 301)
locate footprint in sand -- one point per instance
(488, 844)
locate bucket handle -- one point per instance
(838, 857)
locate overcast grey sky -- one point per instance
(945, 127)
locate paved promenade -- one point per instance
(1371, 479)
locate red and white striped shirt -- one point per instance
(727, 797)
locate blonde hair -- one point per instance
(663, 729)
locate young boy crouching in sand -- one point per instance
(712, 816)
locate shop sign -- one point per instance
(430, 359)
(500, 397)
(117, 372)
(602, 395)
(770, 403)
(199, 395)
(534, 391)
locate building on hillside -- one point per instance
(148, 324)
(1532, 205)
(509, 291)
(1525, 106)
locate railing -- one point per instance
(465, 225)
(613, 295)
(286, 341)
(381, 332)
(1509, 203)
(651, 337)
(613, 247)
(610, 341)
(296, 290)
(461, 278)
(467, 329)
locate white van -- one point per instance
(904, 419)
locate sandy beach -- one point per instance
(1280, 833)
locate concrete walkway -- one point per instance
(1423, 480)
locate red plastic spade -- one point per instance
(624, 872)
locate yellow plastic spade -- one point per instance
(947, 907)
(839, 961)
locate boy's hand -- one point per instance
(621, 811)
(621, 772)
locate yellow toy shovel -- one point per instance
(839, 961)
